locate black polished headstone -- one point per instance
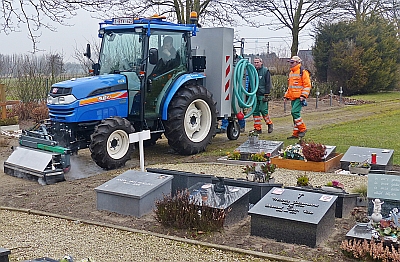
(384, 157)
(345, 203)
(294, 216)
(235, 200)
(258, 190)
(182, 180)
(4, 254)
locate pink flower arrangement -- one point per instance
(337, 184)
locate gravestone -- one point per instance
(182, 180)
(271, 147)
(133, 192)
(235, 200)
(293, 216)
(384, 157)
(345, 202)
(385, 187)
(360, 231)
(4, 254)
(43, 259)
(258, 190)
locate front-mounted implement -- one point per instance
(38, 159)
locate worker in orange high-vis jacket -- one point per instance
(299, 88)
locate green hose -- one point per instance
(239, 90)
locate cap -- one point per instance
(295, 59)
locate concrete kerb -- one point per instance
(188, 241)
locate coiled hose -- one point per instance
(239, 90)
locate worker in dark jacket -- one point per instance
(263, 96)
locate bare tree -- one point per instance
(215, 12)
(293, 14)
(360, 9)
(36, 15)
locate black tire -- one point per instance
(233, 130)
(192, 120)
(110, 147)
(153, 139)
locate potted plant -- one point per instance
(293, 152)
(253, 137)
(260, 173)
(361, 168)
(313, 151)
(303, 181)
(333, 186)
(235, 155)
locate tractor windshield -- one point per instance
(120, 52)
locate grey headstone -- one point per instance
(384, 157)
(133, 192)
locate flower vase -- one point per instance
(253, 140)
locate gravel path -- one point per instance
(30, 236)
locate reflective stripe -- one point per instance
(297, 87)
(291, 75)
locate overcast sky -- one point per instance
(85, 28)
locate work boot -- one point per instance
(292, 137)
(302, 134)
(258, 131)
(270, 128)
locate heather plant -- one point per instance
(367, 251)
(182, 212)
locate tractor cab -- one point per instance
(152, 54)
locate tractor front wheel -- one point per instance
(192, 120)
(110, 147)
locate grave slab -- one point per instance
(266, 146)
(294, 216)
(384, 157)
(235, 200)
(258, 190)
(4, 254)
(360, 231)
(133, 192)
(43, 259)
(182, 180)
(345, 203)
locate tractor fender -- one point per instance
(174, 88)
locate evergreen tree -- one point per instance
(360, 56)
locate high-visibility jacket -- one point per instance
(298, 85)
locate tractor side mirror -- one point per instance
(88, 53)
(96, 69)
(153, 56)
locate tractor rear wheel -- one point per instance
(110, 147)
(192, 120)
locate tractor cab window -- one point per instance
(171, 52)
(120, 52)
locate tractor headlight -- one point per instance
(60, 100)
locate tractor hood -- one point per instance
(89, 86)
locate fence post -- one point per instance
(3, 101)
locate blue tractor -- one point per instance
(134, 87)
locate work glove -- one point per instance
(266, 98)
(304, 102)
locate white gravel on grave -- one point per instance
(282, 176)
